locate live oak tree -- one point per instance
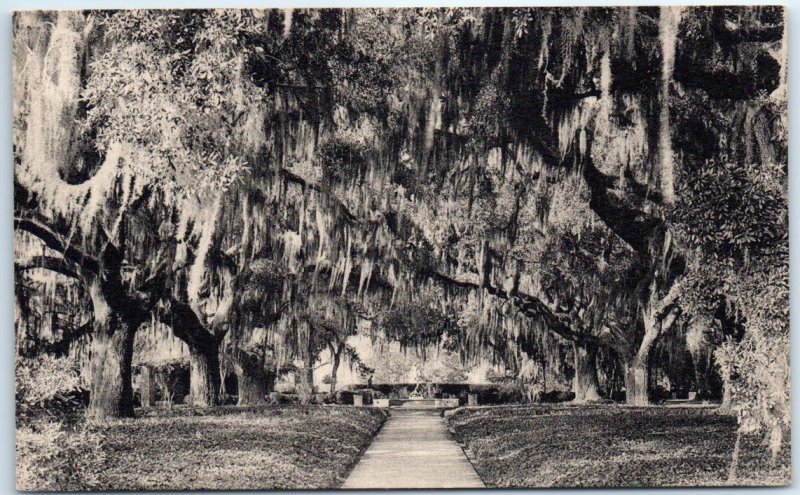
(74, 200)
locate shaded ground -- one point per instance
(230, 448)
(414, 450)
(541, 446)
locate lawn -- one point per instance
(611, 446)
(232, 449)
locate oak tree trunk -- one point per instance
(252, 380)
(637, 369)
(204, 375)
(636, 380)
(585, 384)
(337, 357)
(111, 392)
(305, 385)
(252, 387)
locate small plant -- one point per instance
(55, 449)
(47, 388)
(51, 457)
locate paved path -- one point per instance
(414, 450)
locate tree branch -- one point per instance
(52, 263)
(54, 242)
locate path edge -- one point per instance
(386, 415)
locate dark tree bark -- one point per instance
(252, 387)
(252, 379)
(204, 375)
(585, 383)
(111, 392)
(337, 358)
(117, 314)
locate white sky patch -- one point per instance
(287, 21)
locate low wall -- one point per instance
(416, 403)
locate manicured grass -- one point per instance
(613, 446)
(232, 449)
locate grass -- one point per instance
(611, 446)
(300, 447)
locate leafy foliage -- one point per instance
(47, 388)
(51, 458)
(734, 211)
(55, 450)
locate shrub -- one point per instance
(659, 394)
(48, 388)
(556, 396)
(346, 396)
(55, 449)
(50, 457)
(282, 398)
(509, 393)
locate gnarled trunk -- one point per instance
(204, 367)
(656, 320)
(111, 392)
(637, 369)
(636, 379)
(305, 385)
(252, 379)
(585, 384)
(204, 375)
(252, 387)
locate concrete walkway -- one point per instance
(414, 450)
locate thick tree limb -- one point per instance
(633, 225)
(529, 305)
(51, 263)
(305, 184)
(185, 324)
(59, 347)
(55, 242)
